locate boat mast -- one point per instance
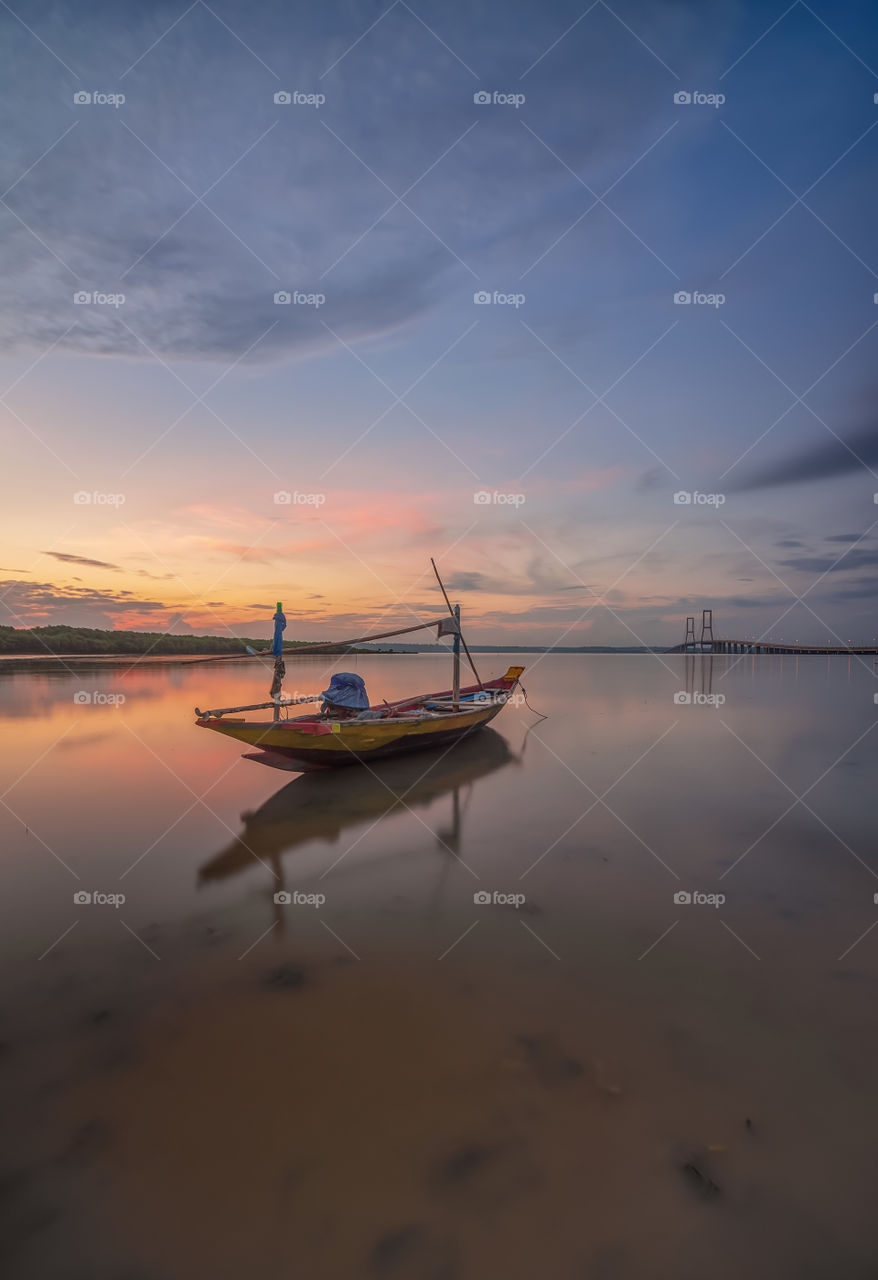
(455, 681)
(455, 613)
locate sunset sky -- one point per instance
(147, 434)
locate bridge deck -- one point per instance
(767, 646)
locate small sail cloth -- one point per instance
(346, 690)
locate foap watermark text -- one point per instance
(295, 98)
(695, 98)
(482, 98)
(84, 499)
(296, 298)
(695, 298)
(692, 498)
(84, 898)
(284, 498)
(482, 298)
(482, 898)
(492, 497)
(684, 699)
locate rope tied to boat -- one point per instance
(527, 704)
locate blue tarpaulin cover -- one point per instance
(346, 690)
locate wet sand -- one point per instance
(304, 1112)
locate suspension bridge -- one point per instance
(707, 643)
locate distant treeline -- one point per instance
(86, 640)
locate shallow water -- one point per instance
(578, 1077)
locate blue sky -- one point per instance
(585, 193)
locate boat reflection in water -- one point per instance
(321, 806)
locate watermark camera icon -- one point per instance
(282, 898)
(481, 98)
(81, 99)
(82, 697)
(682, 498)
(282, 98)
(682, 298)
(682, 98)
(282, 298)
(82, 898)
(482, 298)
(682, 699)
(682, 898)
(481, 898)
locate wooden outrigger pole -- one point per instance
(321, 647)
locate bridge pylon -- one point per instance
(706, 643)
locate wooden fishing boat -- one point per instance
(317, 742)
(351, 732)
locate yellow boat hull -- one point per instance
(309, 743)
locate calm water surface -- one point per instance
(649, 1053)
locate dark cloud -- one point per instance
(652, 479)
(858, 453)
(26, 604)
(69, 558)
(859, 589)
(466, 582)
(858, 558)
(91, 564)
